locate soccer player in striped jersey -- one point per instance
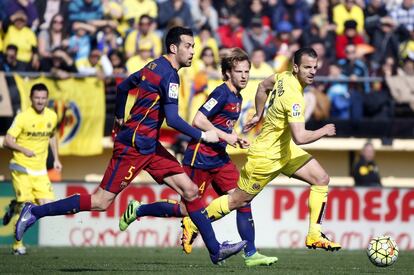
(137, 148)
(29, 137)
(209, 164)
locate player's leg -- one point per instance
(313, 173)
(165, 168)
(118, 175)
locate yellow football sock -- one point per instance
(318, 197)
(217, 209)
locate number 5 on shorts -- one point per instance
(130, 173)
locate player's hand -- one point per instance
(231, 139)
(243, 143)
(57, 165)
(118, 122)
(29, 153)
(210, 136)
(330, 130)
(251, 123)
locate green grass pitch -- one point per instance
(99, 260)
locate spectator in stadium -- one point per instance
(284, 45)
(9, 62)
(141, 58)
(257, 36)
(349, 10)
(231, 35)
(48, 9)
(23, 38)
(108, 39)
(296, 12)
(373, 13)
(170, 9)
(117, 60)
(385, 41)
(28, 138)
(60, 64)
(404, 15)
(96, 64)
(350, 36)
(365, 171)
(53, 37)
(207, 64)
(112, 9)
(204, 14)
(256, 10)
(85, 11)
(27, 7)
(407, 68)
(259, 69)
(227, 7)
(205, 39)
(134, 9)
(143, 33)
(339, 96)
(80, 41)
(353, 67)
(407, 47)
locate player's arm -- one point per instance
(262, 93)
(302, 136)
(201, 122)
(122, 95)
(10, 143)
(54, 147)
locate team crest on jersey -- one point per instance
(296, 110)
(238, 107)
(123, 184)
(152, 66)
(209, 105)
(256, 186)
(173, 90)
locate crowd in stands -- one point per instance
(354, 39)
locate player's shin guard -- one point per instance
(164, 208)
(245, 226)
(198, 215)
(69, 205)
(318, 198)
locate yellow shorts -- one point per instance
(31, 188)
(259, 171)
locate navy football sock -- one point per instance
(69, 205)
(245, 225)
(165, 208)
(203, 223)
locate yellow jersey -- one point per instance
(32, 131)
(286, 105)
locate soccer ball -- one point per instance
(382, 251)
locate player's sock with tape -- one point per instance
(218, 208)
(318, 197)
(69, 205)
(164, 208)
(198, 215)
(245, 226)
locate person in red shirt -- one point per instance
(350, 36)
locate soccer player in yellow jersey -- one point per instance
(276, 149)
(28, 137)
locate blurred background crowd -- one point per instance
(363, 45)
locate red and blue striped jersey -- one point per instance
(156, 85)
(222, 108)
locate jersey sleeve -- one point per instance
(213, 104)
(122, 93)
(294, 105)
(170, 88)
(17, 127)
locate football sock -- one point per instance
(218, 208)
(198, 215)
(164, 208)
(245, 226)
(69, 205)
(318, 197)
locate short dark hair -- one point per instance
(230, 60)
(174, 36)
(12, 47)
(38, 87)
(297, 57)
